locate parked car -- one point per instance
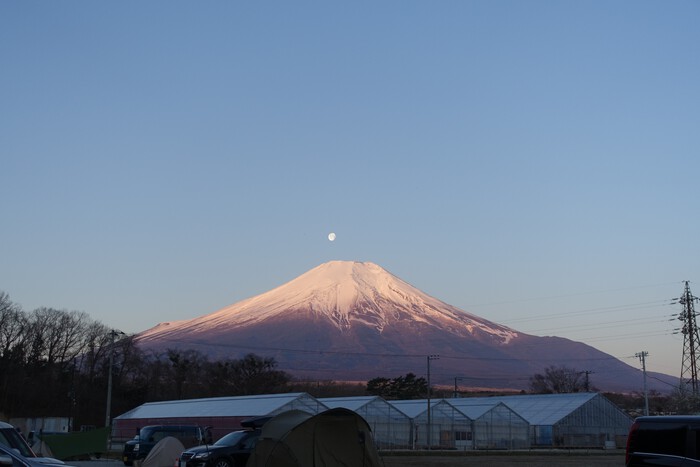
(9, 457)
(232, 450)
(11, 438)
(671, 441)
(139, 447)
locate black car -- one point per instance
(664, 440)
(232, 450)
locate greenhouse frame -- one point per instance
(449, 428)
(569, 420)
(494, 425)
(391, 428)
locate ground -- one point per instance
(512, 459)
(573, 458)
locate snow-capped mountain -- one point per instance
(353, 321)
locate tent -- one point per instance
(164, 453)
(336, 437)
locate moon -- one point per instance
(331, 236)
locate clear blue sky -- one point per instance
(533, 162)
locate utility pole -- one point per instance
(691, 341)
(429, 427)
(457, 378)
(108, 416)
(642, 358)
(587, 384)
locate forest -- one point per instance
(55, 363)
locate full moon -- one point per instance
(331, 236)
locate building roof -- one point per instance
(413, 408)
(241, 406)
(536, 409)
(352, 403)
(474, 409)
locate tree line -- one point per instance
(56, 363)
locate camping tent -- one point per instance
(336, 437)
(164, 453)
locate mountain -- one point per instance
(353, 321)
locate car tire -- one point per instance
(221, 462)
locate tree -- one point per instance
(257, 375)
(401, 387)
(557, 380)
(186, 369)
(682, 401)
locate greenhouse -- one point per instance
(568, 420)
(391, 428)
(494, 425)
(498, 422)
(449, 428)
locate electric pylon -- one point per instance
(691, 341)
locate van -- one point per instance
(671, 440)
(138, 448)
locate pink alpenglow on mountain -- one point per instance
(352, 321)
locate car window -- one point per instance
(250, 442)
(231, 439)
(10, 438)
(662, 439)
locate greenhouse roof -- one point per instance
(414, 407)
(352, 403)
(241, 406)
(536, 409)
(474, 409)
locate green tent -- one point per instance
(336, 437)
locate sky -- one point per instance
(532, 162)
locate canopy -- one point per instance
(336, 437)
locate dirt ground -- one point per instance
(471, 459)
(524, 459)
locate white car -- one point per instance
(12, 441)
(9, 457)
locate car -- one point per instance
(11, 438)
(668, 440)
(139, 447)
(9, 457)
(232, 450)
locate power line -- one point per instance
(597, 310)
(577, 294)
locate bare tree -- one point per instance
(13, 324)
(257, 375)
(558, 380)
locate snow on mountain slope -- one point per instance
(345, 294)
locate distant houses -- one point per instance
(506, 423)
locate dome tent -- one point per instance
(336, 437)
(164, 453)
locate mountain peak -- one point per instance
(346, 294)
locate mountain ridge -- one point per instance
(348, 320)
